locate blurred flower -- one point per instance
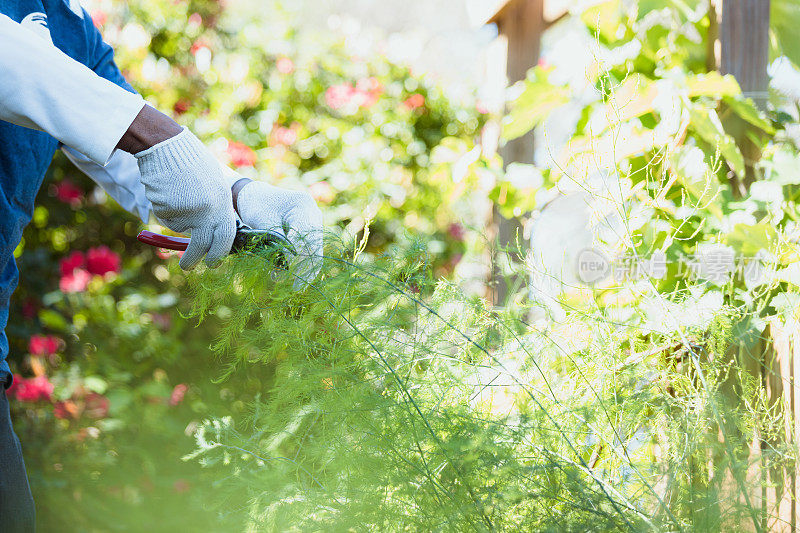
(68, 192)
(195, 19)
(102, 260)
(368, 90)
(284, 65)
(30, 308)
(181, 106)
(481, 108)
(198, 45)
(283, 136)
(162, 320)
(76, 281)
(99, 17)
(364, 94)
(456, 231)
(338, 96)
(31, 390)
(66, 409)
(72, 262)
(414, 101)
(177, 394)
(322, 192)
(96, 405)
(180, 486)
(44, 344)
(241, 155)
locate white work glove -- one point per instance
(190, 194)
(293, 214)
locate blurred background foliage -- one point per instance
(111, 379)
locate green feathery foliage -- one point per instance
(397, 403)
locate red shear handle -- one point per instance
(163, 241)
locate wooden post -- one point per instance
(522, 23)
(744, 45)
(742, 50)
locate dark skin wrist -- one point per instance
(149, 128)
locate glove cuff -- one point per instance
(182, 147)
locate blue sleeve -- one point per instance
(101, 56)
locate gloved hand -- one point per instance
(293, 214)
(190, 194)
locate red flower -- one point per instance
(44, 344)
(99, 17)
(66, 409)
(338, 96)
(241, 155)
(29, 308)
(197, 45)
(414, 101)
(181, 107)
(97, 405)
(31, 390)
(456, 231)
(73, 261)
(177, 394)
(284, 65)
(76, 281)
(101, 260)
(69, 193)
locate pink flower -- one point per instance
(31, 390)
(99, 18)
(97, 405)
(338, 96)
(456, 231)
(284, 65)
(69, 193)
(177, 394)
(195, 19)
(241, 155)
(44, 344)
(72, 262)
(101, 260)
(322, 192)
(283, 136)
(367, 91)
(414, 101)
(76, 281)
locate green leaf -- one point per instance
(53, 320)
(706, 124)
(785, 21)
(695, 176)
(534, 105)
(748, 239)
(749, 112)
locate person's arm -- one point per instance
(44, 89)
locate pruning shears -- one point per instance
(247, 239)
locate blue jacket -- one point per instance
(25, 154)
